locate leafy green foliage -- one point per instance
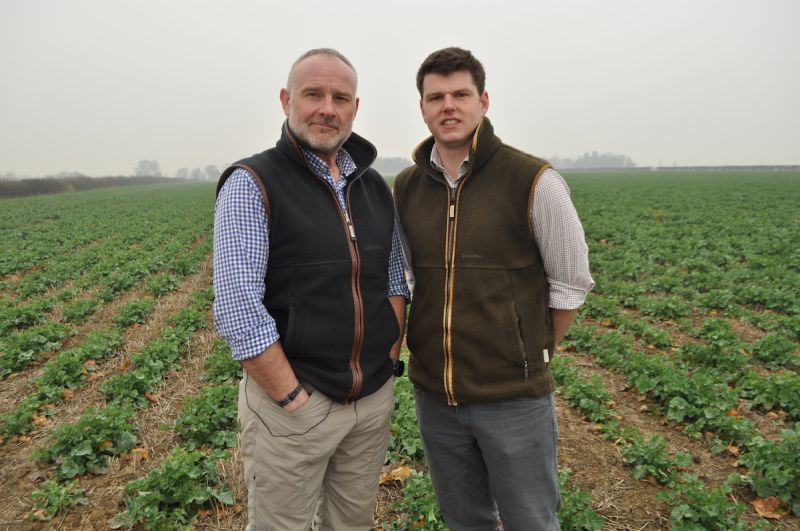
(23, 316)
(21, 348)
(210, 418)
(651, 335)
(774, 467)
(404, 441)
(580, 337)
(220, 367)
(18, 420)
(587, 394)
(170, 496)
(418, 507)
(575, 513)
(725, 361)
(78, 311)
(650, 458)
(701, 401)
(183, 266)
(612, 349)
(776, 351)
(52, 498)
(696, 507)
(85, 446)
(773, 391)
(149, 365)
(600, 308)
(202, 299)
(161, 285)
(189, 319)
(716, 299)
(133, 312)
(67, 370)
(667, 308)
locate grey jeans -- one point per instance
(492, 457)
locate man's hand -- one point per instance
(398, 303)
(273, 373)
(562, 319)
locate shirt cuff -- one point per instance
(564, 297)
(253, 342)
(399, 292)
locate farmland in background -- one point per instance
(678, 400)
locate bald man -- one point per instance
(310, 295)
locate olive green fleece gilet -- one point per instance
(479, 326)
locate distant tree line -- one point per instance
(53, 185)
(144, 172)
(593, 160)
(151, 168)
(389, 166)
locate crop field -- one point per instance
(678, 398)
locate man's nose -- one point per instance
(327, 107)
(449, 102)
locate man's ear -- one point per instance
(285, 101)
(484, 103)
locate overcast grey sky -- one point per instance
(96, 85)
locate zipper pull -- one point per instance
(350, 226)
(452, 203)
(526, 370)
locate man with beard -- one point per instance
(310, 296)
(501, 267)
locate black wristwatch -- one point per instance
(288, 399)
(398, 368)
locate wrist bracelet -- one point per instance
(290, 397)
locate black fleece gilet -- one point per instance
(327, 290)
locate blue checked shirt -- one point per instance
(241, 253)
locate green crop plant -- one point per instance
(666, 308)
(21, 348)
(85, 446)
(220, 367)
(776, 351)
(774, 467)
(135, 311)
(404, 441)
(78, 311)
(418, 508)
(575, 513)
(697, 507)
(161, 285)
(53, 498)
(777, 391)
(210, 418)
(172, 494)
(650, 458)
(25, 315)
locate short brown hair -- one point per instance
(449, 60)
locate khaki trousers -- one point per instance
(323, 460)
